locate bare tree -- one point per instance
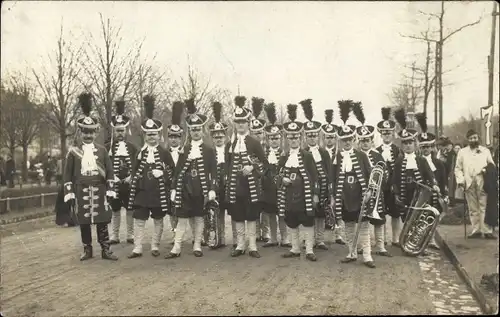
(59, 85)
(203, 90)
(441, 39)
(9, 127)
(24, 113)
(109, 69)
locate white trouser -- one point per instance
(139, 235)
(476, 202)
(319, 230)
(396, 229)
(309, 237)
(116, 218)
(173, 222)
(199, 224)
(180, 230)
(379, 238)
(294, 237)
(283, 230)
(264, 225)
(340, 230)
(251, 232)
(156, 237)
(273, 227)
(364, 240)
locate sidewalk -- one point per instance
(472, 258)
(27, 214)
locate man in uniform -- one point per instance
(88, 179)
(409, 168)
(323, 167)
(389, 152)
(218, 132)
(150, 183)
(123, 155)
(329, 131)
(246, 161)
(175, 133)
(351, 181)
(194, 182)
(426, 143)
(257, 130)
(298, 193)
(365, 137)
(273, 153)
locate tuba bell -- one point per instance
(212, 224)
(421, 222)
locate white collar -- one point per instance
(175, 148)
(294, 151)
(197, 143)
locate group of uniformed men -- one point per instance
(261, 174)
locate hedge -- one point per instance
(27, 203)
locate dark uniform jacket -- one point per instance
(89, 190)
(309, 169)
(236, 181)
(183, 179)
(269, 187)
(145, 190)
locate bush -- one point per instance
(27, 203)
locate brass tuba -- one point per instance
(212, 224)
(421, 222)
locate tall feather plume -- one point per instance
(400, 116)
(386, 113)
(329, 116)
(190, 106)
(292, 112)
(85, 101)
(120, 107)
(357, 109)
(307, 108)
(149, 106)
(257, 106)
(345, 109)
(217, 110)
(270, 110)
(177, 110)
(422, 121)
(239, 101)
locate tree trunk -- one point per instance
(62, 138)
(25, 163)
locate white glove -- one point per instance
(172, 195)
(211, 195)
(127, 179)
(116, 180)
(157, 173)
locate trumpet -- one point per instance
(373, 190)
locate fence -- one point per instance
(19, 203)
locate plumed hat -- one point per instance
(193, 118)
(240, 112)
(310, 126)
(217, 125)
(363, 131)
(386, 124)
(257, 124)
(272, 128)
(150, 124)
(405, 133)
(175, 127)
(120, 120)
(329, 128)
(345, 131)
(292, 126)
(87, 121)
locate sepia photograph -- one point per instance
(258, 158)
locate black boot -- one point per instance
(87, 253)
(107, 254)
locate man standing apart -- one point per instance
(244, 190)
(194, 182)
(123, 156)
(323, 165)
(469, 171)
(150, 183)
(88, 179)
(390, 152)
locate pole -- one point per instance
(436, 91)
(491, 59)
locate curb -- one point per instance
(27, 217)
(471, 285)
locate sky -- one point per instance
(281, 51)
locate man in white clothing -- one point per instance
(469, 172)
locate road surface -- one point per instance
(42, 276)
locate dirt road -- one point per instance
(42, 276)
